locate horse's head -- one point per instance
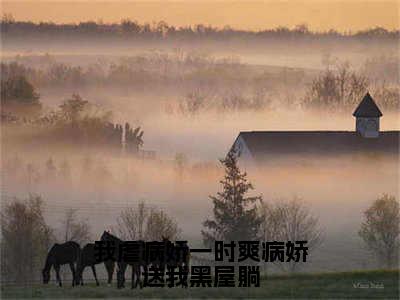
(105, 236)
(46, 276)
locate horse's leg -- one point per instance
(133, 283)
(135, 275)
(58, 278)
(110, 266)
(140, 275)
(71, 265)
(137, 266)
(121, 274)
(94, 274)
(81, 275)
(138, 270)
(77, 275)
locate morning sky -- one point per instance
(254, 15)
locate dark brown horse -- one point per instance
(174, 256)
(61, 254)
(108, 237)
(122, 265)
(88, 258)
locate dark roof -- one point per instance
(263, 143)
(367, 108)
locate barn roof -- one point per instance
(261, 144)
(367, 108)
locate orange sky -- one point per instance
(318, 14)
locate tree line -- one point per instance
(162, 30)
(207, 83)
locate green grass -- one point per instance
(304, 286)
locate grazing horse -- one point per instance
(145, 261)
(87, 258)
(122, 265)
(61, 254)
(108, 237)
(136, 268)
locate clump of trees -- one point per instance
(25, 239)
(380, 230)
(80, 121)
(336, 88)
(146, 223)
(341, 88)
(18, 96)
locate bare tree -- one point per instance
(270, 226)
(146, 223)
(74, 229)
(291, 221)
(131, 222)
(380, 230)
(160, 225)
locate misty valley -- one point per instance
(132, 134)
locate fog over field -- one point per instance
(194, 101)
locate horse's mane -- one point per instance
(108, 236)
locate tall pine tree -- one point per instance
(235, 215)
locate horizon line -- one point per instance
(193, 25)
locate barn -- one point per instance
(256, 147)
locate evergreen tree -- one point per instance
(235, 215)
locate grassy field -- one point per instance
(359, 285)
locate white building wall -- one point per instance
(245, 159)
